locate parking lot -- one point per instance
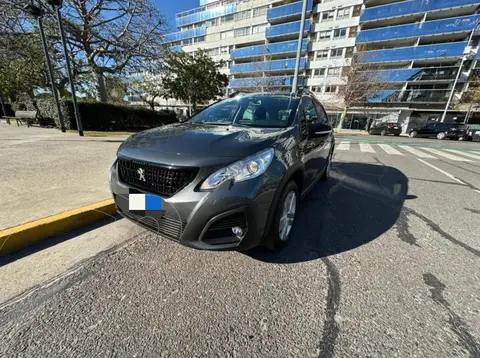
(384, 262)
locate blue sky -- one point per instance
(170, 7)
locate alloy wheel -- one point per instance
(288, 215)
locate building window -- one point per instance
(199, 39)
(343, 13)
(333, 72)
(353, 32)
(223, 50)
(244, 31)
(349, 52)
(330, 89)
(340, 33)
(335, 53)
(324, 35)
(260, 11)
(327, 16)
(227, 18)
(226, 34)
(212, 22)
(319, 72)
(258, 28)
(322, 54)
(357, 9)
(187, 42)
(242, 15)
(212, 51)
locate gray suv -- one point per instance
(231, 177)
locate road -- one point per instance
(384, 262)
(45, 172)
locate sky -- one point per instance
(170, 7)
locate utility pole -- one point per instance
(57, 4)
(299, 47)
(37, 13)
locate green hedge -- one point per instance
(106, 116)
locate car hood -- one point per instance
(185, 143)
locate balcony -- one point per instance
(286, 31)
(273, 81)
(426, 52)
(188, 34)
(287, 47)
(176, 48)
(444, 74)
(428, 28)
(198, 15)
(410, 96)
(411, 7)
(287, 12)
(268, 66)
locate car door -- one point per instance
(323, 139)
(307, 143)
(427, 131)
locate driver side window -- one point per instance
(309, 109)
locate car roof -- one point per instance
(299, 94)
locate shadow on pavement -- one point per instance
(45, 244)
(358, 204)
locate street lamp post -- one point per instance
(299, 47)
(37, 13)
(56, 5)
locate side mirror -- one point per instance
(318, 129)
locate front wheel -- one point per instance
(413, 134)
(441, 135)
(397, 135)
(284, 218)
(383, 132)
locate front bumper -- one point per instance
(204, 220)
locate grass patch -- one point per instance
(102, 134)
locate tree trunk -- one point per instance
(101, 88)
(342, 118)
(2, 103)
(152, 105)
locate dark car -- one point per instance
(385, 129)
(440, 131)
(229, 178)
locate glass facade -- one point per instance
(288, 10)
(269, 49)
(271, 81)
(286, 29)
(204, 14)
(267, 66)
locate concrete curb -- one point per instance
(21, 236)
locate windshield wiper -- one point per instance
(216, 123)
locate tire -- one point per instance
(397, 135)
(413, 134)
(370, 132)
(274, 241)
(326, 172)
(383, 132)
(441, 135)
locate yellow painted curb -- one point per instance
(24, 235)
(339, 131)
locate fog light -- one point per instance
(237, 231)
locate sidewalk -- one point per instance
(45, 172)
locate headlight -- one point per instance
(242, 170)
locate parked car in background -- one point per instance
(440, 131)
(231, 177)
(385, 129)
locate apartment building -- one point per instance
(421, 46)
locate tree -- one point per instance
(193, 79)
(114, 36)
(363, 83)
(148, 88)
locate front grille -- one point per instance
(160, 180)
(166, 225)
(222, 229)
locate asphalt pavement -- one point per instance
(384, 262)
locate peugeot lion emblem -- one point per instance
(141, 174)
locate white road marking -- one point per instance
(366, 147)
(344, 145)
(389, 149)
(416, 152)
(442, 171)
(446, 155)
(470, 155)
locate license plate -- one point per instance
(145, 202)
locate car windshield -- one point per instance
(253, 111)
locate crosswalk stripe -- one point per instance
(470, 155)
(416, 152)
(365, 147)
(445, 155)
(389, 149)
(344, 145)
